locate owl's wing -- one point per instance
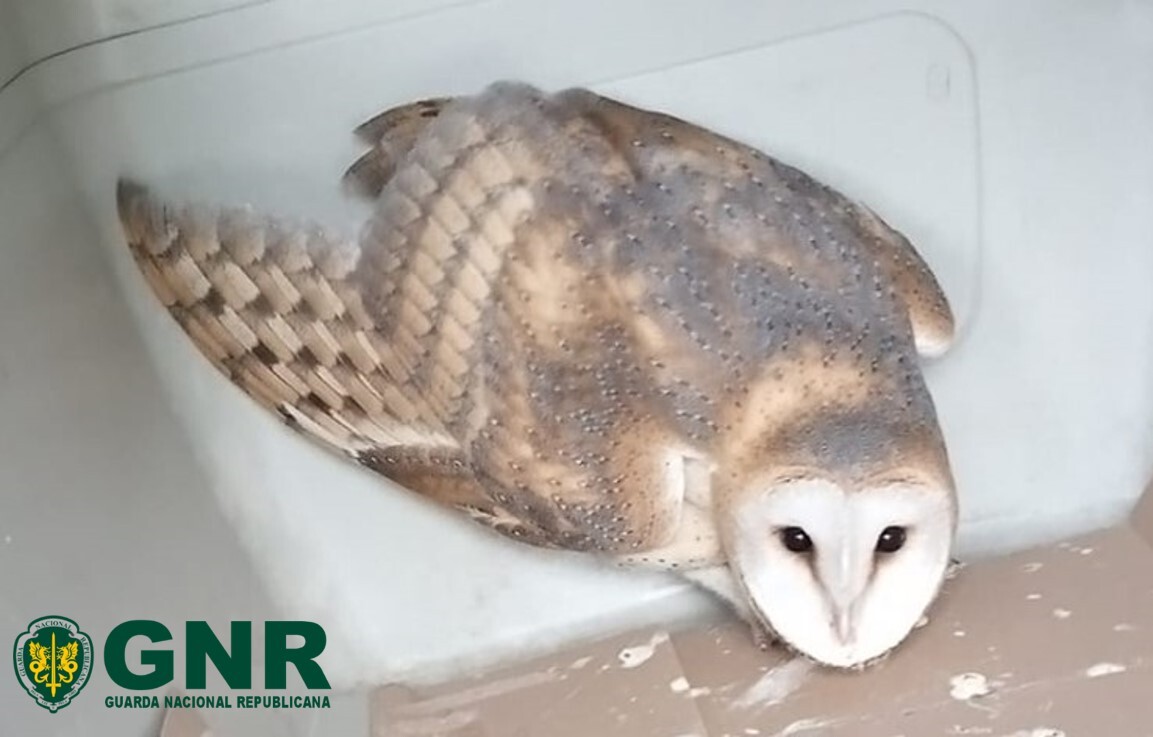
(897, 259)
(929, 309)
(390, 136)
(270, 304)
(367, 345)
(656, 143)
(273, 306)
(391, 133)
(514, 192)
(641, 147)
(491, 181)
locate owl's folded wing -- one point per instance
(390, 135)
(657, 143)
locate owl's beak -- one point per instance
(844, 577)
(845, 622)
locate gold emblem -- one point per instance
(53, 659)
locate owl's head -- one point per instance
(841, 572)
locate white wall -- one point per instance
(49, 27)
(104, 514)
(11, 47)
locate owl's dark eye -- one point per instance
(891, 539)
(796, 540)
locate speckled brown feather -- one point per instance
(558, 299)
(390, 134)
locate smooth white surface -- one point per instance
(104, 516)
(11, 45)
(48, 27)
(1015, 153)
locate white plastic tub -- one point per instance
(1013, 143)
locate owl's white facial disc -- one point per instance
(841, 576)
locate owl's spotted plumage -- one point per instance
(586, 325)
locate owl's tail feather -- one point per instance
(271, 305)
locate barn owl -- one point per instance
(594, 327)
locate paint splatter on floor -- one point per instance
(805, 725)
(631, 657)
(967, 686)
(1104, 669)
(776, 685)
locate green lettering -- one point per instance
(277, 654)
(201, 646)
(160, 660)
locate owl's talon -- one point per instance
(762, 639)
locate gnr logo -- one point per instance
(156, 665)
